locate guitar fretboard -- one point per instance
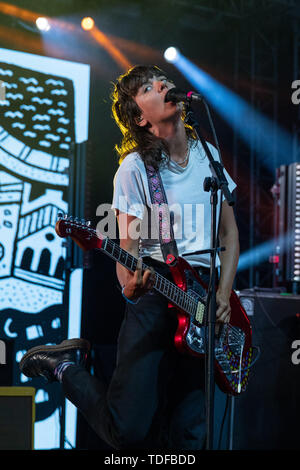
(167, 288)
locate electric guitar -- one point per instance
(187, 296)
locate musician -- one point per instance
(156, 395)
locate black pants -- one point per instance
(156, 397)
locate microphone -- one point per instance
(176, 95)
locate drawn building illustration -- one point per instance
(37, 130)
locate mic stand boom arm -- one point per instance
(218, 181)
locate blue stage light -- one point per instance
(272, 143)
(171, 54)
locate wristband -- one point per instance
(128, 300)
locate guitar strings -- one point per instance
(169, 285)
(250, 365)
(186, 300)
(183, 296)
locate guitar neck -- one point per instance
(167, 288)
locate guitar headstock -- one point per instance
(79, 230)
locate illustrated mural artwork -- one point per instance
(36, 134)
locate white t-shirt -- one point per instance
(186, 198)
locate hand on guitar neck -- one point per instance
(139, 282)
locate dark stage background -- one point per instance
(251, 47)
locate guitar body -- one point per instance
(233, 344)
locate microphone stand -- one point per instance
(212, 184)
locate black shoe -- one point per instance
(42, 360)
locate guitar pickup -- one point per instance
(200, 312)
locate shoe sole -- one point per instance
(63, 346)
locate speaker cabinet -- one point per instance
(266, 415)
(17, 417)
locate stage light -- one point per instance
(42, 24)
(171, 54)
(256, 129)
(87, 23)
(108, 45)
(263, 252)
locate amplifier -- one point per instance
(17, 417)
(266, 415)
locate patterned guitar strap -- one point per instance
(162, 215)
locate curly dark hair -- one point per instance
(126, 113)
